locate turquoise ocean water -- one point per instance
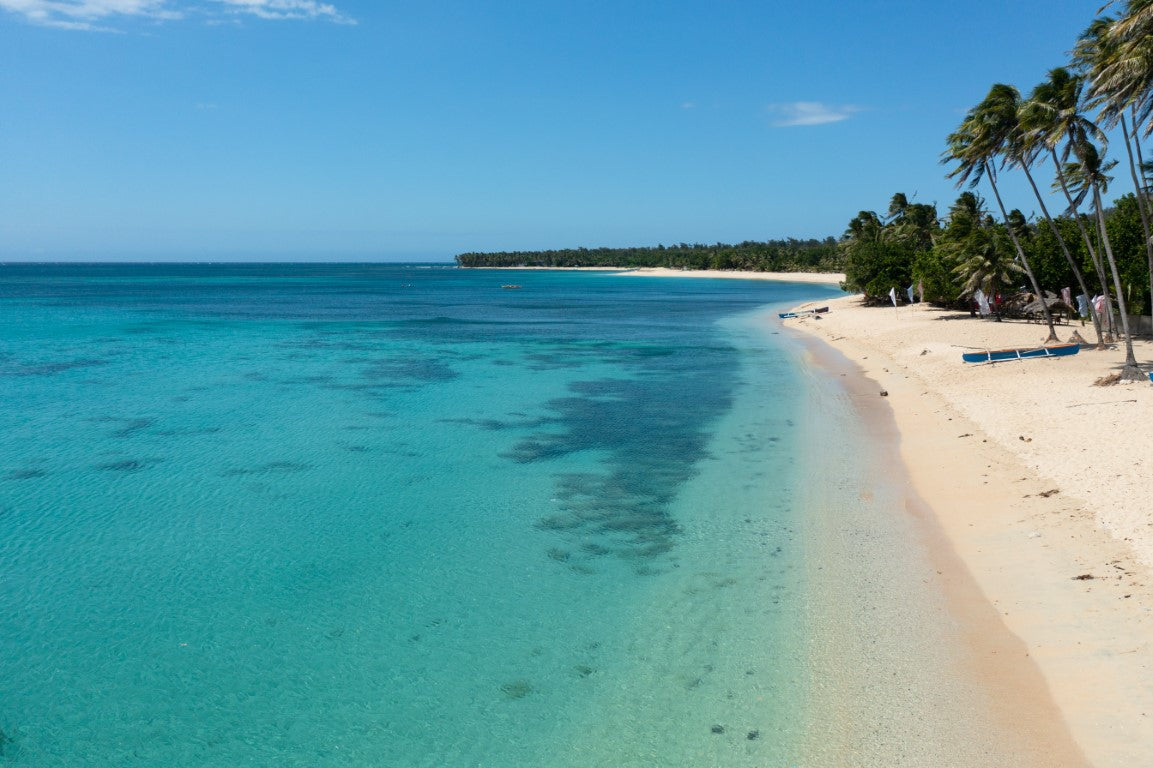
(380, 515)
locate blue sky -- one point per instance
(293, 129)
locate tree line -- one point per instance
(1061, 130)
(948, 258)
(789, 255)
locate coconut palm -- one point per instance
(985, 260)
(1089, 174)
(1117, 55)
(1117, 68)
(978, 145)
(979, 250)
(1144, 209)
(1050, 113)
(1062, 183)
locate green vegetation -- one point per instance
(771, 256)
(1060, 131)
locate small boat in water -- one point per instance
(510, 287)
(1024, 353)
(802, 312)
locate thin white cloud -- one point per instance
(86, 14)
(288, 9)
(97, 14)
(809, 113)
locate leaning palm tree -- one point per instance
(1117, 56)
(1090, 174)
(977, 147)
(1058, 108)
(1144, 209)
(985, 260)
(1062, 183)
(1050, 113)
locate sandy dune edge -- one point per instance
(1035, 478)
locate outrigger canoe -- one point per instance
(1025, 353)
(803, 312)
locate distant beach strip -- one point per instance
(816, 278)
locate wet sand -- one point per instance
(911, 665)
(1033, 512)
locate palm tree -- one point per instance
(1117, 55)
(1090, 174)
(1062, 183)
(1051, 113)
(985, 259)
(1141, 194)
(976, 146)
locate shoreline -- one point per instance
(938, 673)
(1001, 474)
(818, 278)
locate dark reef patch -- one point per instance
(49, 369)
(312, 380)
(126, 465)
(272, 467)
(127, 426)
(409, 369)
(187, 431)
(132, 426)
(25, 474)
(517, 689)
(651, 429)
(496, 425)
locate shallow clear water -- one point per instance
(363, 515)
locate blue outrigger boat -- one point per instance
(802, 312)
(1026, 353)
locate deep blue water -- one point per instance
(384, 515)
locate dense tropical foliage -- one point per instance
(771, 256)
(1061, 131)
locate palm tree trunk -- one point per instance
(1022, 257)
(1142, 204)
(1130, 371)
(1068, 256)
(1099, 268)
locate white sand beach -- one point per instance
(821, 278)
(1037, 482)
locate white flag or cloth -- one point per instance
(909, 292)
(982, 302)
(893, 296)
(1099, 306)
